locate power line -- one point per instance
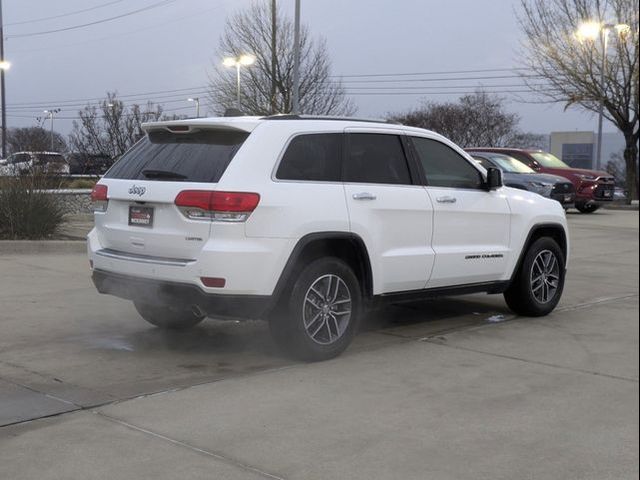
(104, 20)
(76, 12)
(357, 75)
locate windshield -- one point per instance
(196, 157)
(510, 164)
(548, 160)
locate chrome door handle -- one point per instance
(446, 199)
(364, 196)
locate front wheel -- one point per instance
(538, 284)
(587, 207)
(321, 317)
(167, 317)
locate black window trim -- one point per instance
(414, 152)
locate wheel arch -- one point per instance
(346, 246)
(556, 231)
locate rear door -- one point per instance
(471, 226)
(141, 216)
(388, 209)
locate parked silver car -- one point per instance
(517, 175)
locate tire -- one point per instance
(538, 276)
(168, 318)
(587, 207)
(320, 318)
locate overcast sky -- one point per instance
(170, 47)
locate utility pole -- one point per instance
(296, 61)
(274, 57)
(3, 67)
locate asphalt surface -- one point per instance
(455, 388)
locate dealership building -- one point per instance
(579, 149)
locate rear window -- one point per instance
(48, 158)
(191, 157)
(315, 157)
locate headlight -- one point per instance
(589, 178)
(540, 188)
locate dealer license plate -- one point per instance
(140, 216)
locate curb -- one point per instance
(9, 247)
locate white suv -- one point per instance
(307, 221)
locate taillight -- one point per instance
(99, 198)
(218, 206)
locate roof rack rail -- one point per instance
(293, 116)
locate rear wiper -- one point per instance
(166, 174)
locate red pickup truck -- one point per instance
(593, 188)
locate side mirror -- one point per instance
(494, 178)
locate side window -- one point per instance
(376, 158)
(444, 167)
(316, 157)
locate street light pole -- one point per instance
(197, 102)
(604, 35)
(50, 114)
(592, 31)
(3, 66)
(238, 85)
(237, 62)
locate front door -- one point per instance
(471, 226)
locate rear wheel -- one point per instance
(538, 285)
(587, 207)
(168, 317)
(321, 317)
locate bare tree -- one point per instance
(474, 120)
(571, 68)
(34, 139)
(110, 128)
(249, 32)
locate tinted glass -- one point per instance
(376, 158)
(444, 167)
(510, 164)
(194, 157)
(548, 160)
(46, 158)
(312, 157)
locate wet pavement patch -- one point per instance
(19, 404)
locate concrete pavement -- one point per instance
(451, 389)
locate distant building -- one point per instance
(578, 149)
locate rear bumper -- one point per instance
(158, 292)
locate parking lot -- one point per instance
(454, 388)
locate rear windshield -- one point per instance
(191, 157)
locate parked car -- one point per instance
(22, 163)
(517, 175)
(593, 188)
(82, 164)
(308, 221)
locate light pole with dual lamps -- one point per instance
(590, 31)
(242, 60)
(50, 114)
(196, 100)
